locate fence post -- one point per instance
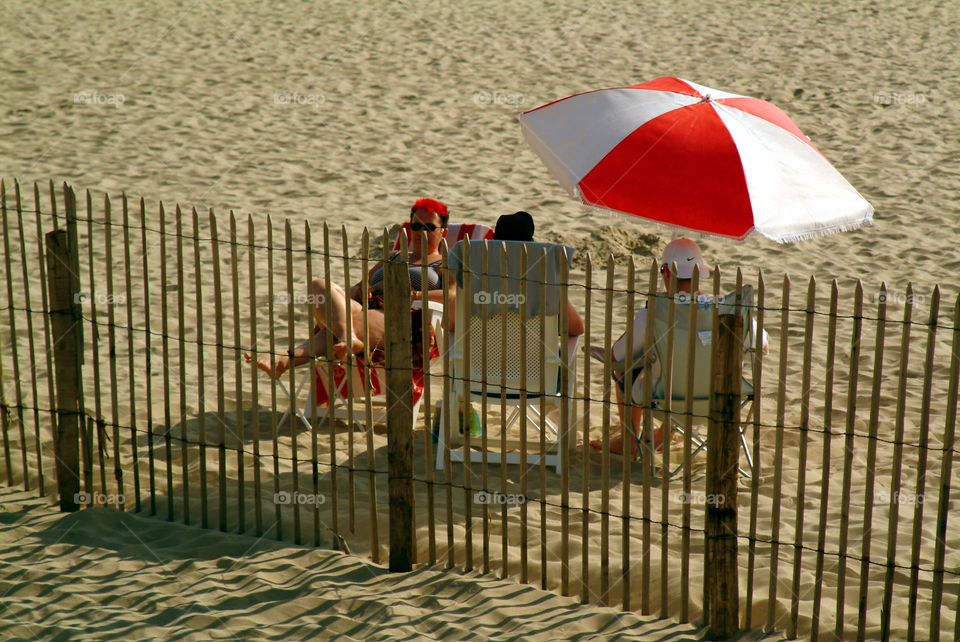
(64, 286)
(397, 329)
(722, 464)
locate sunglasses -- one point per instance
(417, 226)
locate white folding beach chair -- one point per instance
(700, 410)
(510, 384)
(338, 392)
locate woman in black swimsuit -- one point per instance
(426, 215)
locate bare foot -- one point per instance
(340, 349)
(616, 443)
(273, 365)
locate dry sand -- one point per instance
(106, 575)
(346, 113)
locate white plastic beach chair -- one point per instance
(700, 410)
(503, 334)
(455, 232)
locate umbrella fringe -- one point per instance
(805, 235)
(783, 238)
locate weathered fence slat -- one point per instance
(585, 459)
(47, 345)
(201, 382)
(254, 379)
(869, 494)
(542, 468)
(64, 285)
(757, 373)
(446, 409)
(148, 365)
(291, 373)
(524, 489)
(238, 379)
(221, 401)
(627, 448)
(4, 412)
(397, 328)
(484, 438)
(275, 442)
(332, 392)
(722, 471)
(687, 481)
(371, 454)
(563, 424)
(799, 513)
(503, 433)
(778, 455)
(165, 343)
(14, 356)
(946, 470)
(348, 315)
(310, 327)
(464, 423)
(605, 454)
(923, 447)
(667, 378)
(825, 460)
(852, 381)
(182, 351)
(131, 361)
(892, 522)
(28, 304)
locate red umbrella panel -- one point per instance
(685, 155)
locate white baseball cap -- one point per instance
(685, 253)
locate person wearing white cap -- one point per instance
(686, 254)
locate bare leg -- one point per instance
(340, 306)
(275, 365)
(627, 432)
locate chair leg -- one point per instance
(746, 450)
(702, 445)
(441, 439)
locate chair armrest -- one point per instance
(417, 304)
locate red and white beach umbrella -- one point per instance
(685, 155)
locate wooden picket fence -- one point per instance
(169, 419)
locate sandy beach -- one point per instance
(344, 114)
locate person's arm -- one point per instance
(356, 290)
(574, 322)
(619, 349)
(752, 339)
